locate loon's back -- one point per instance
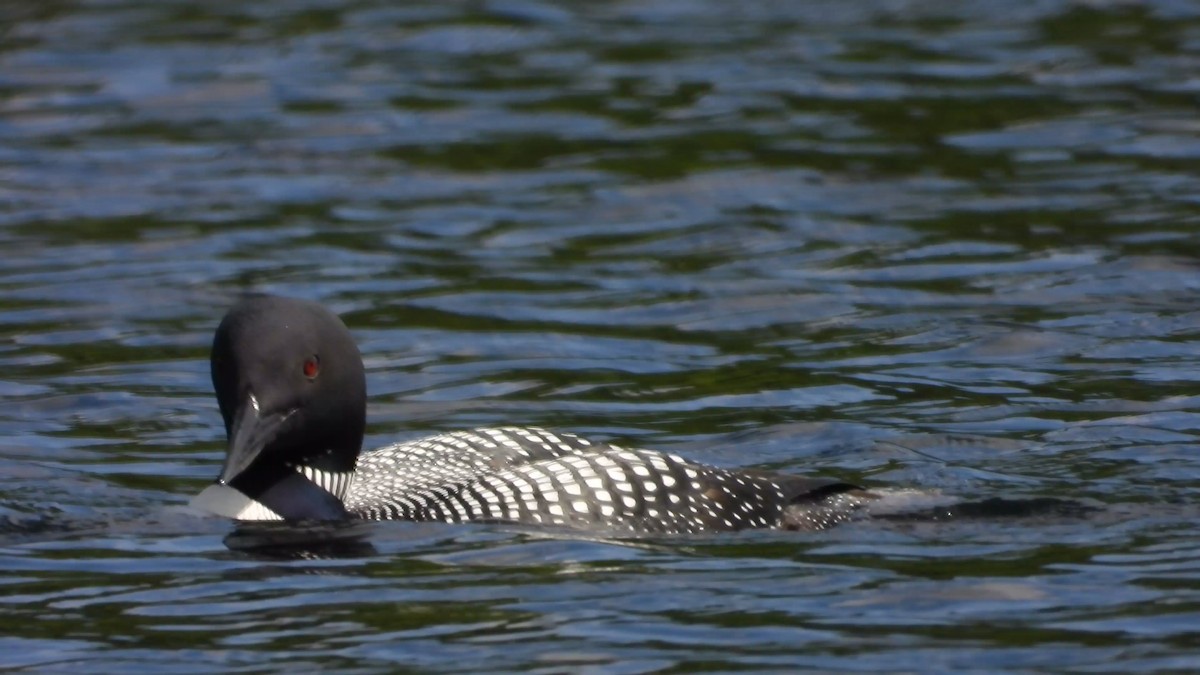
(533, 476)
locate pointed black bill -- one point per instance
(251, 432)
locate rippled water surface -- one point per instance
(950, 246)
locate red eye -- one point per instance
(312, 367)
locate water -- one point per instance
(904, 243)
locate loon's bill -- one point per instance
(291, 387)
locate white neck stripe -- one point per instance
(336, 483)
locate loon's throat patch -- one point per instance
(222, 500)
(336, 483)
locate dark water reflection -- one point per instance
(906, 243)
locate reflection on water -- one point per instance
(951, 247)
(302, 542)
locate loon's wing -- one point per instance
(388, 479)
(426, 463)
(531, 476)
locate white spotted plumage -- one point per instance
(530, 475)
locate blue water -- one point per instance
(947, 247)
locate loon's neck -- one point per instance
(281, 491)
(297, 496)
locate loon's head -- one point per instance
(291, 387)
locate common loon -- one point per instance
(291, 387)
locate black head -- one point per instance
(290, 383)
